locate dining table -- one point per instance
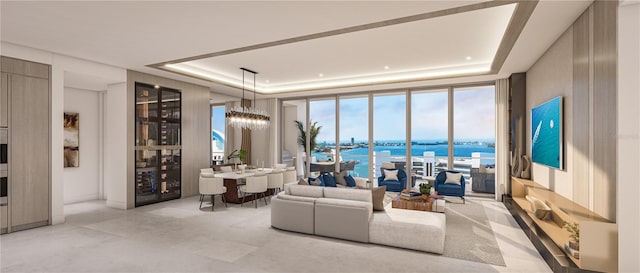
(233, 180)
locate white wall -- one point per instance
(549, 77)
(628, 137)
(82, 183)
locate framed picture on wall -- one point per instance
(71, 140)
(546, 133)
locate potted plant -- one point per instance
(239, 154)
(302, 136)
(574, 230)
(425, 189)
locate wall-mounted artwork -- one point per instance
(546, 133)
(71, 140)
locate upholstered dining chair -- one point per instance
(255, 185)
(289, 177)
(208, 172)
(226, 169)
(275, 182)
(212, 186)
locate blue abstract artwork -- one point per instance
(546, 133)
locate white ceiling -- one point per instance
(136, 34)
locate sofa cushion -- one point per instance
(316, 181)
(344, 203)
(390, 175)
(303, 182)
(348, 194)
(301, 190)
(412, 229)
(453, 178)
(351, 182)
(296, 198)
(361, 182)
(377, 197)
(340, 178)
(328, 179)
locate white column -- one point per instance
(628, 137)
(502, 139)
(115, 141)
(57, 150)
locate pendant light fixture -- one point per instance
(250, 118)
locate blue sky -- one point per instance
(474, 116)
(217, 122)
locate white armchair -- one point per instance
(210, 185)
(254, 185)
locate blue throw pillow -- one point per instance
(351, 182)
(318, 181)
(329, 180)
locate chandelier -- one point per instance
(243, 117)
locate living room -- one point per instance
(573, 56)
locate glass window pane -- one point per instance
(354, 135)
(474, 136)
(389, 131)
(217, 134)
(322, 120)
(429, 132)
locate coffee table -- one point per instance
(435, 204)
(417, 204)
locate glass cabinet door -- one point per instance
(146, 116)
(157, 144)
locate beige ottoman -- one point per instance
(412, 229)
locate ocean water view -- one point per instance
(361, 154)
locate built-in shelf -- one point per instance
(598, 236)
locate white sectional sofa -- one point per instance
(347, 213)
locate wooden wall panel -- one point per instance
(196, 130)
(26, 68)
(29, 150)
(581, 124)
(4, 100)
(604, 107)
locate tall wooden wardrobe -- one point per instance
(25, 107)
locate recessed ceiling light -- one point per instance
(320, 75)
(156, 86)
(386, 67)
(267, 81)
(468, 58)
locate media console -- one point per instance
(598, 236)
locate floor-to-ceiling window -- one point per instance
(429, 131)
(389, 130)
(217, 133)
(474, 139)
(294, 123)
(322, 133)
(354, 134)
(449, 128)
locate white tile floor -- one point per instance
(175, 236)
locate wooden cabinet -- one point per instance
(4, 100)
(28, 89)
